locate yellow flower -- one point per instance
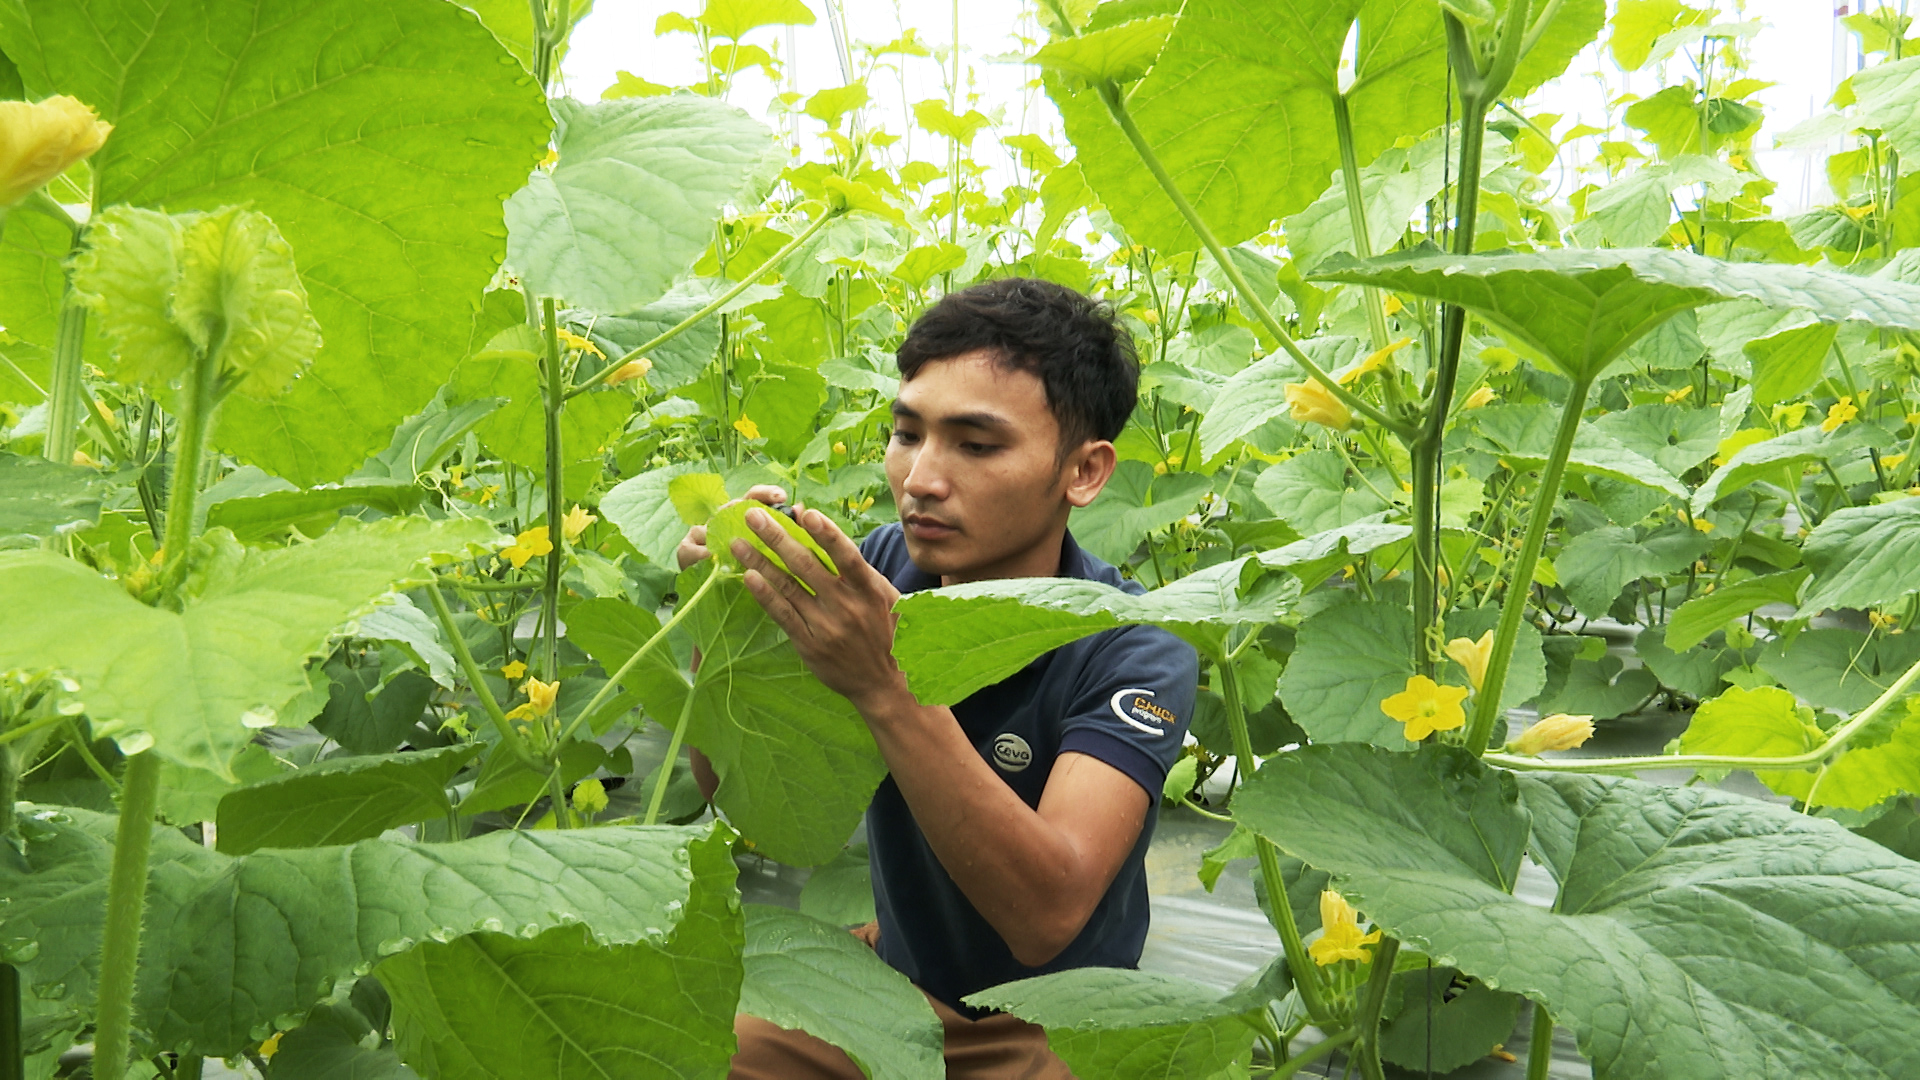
(1557, 732)
(1426, 707)
(1375, 360)
(1680, 395)
(1482, 396)
(1393, 305)
(1341, 939)
(41, 140)
(514, 670)
(527, 545)
(627, 372)
(270, 1046)
(1882, 621)
(577, 343)
(1472, 655)
(540, 697)
(1841, 412)
(486, 493)
(589, 797)
(1312, 403)
(1892, 461)
(1703, 524)
(747, 428)
(574, 522)
(1789, 415)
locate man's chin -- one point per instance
(935, 557)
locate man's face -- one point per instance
(975, 470)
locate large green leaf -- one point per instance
(378, 136)
(577, 1000)
(340, 800)
(1120, 1022)
(237, 652)
(235, 943)
(1523, 436)
(1672, 436)
(953, 641)
(1134, 505)
(1577, 309)
(1311, 493)
(642, 509)
(1122, 53)
(1834, 668)
(1239, 107)
(634, 197)
(1886, 94)
(1347, 659)
(1702, 615)
(1788, 363)
(1598, 563)
(803, 974)
(256, 517)
(1864, 556)
(509, 369)
(1768, 722)
(40, 498)
(1311, 559)
(1782, 459)
(512, 23)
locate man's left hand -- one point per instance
(844, 630)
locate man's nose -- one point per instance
(926, 477)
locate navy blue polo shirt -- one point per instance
(1124, 696)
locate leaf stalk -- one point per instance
(126, 905)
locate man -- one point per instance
(1008, 840)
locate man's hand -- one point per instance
(844, 630)
(693, 547)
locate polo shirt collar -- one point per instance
(1073, 564)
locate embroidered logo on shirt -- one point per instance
(1011, 752)
(1137, 709)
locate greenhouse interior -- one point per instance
(1007, 540)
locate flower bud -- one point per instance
(1557, 732)
(1312, 403)
(41, 140)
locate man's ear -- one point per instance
(1088, 470)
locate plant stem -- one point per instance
(1306, 974)
(1540, 1044)
(686, 608)
(9, 790)
(1486, 704)
(557, 794)
(553, 396)
(1357, 214)
(464, 656)
(1117, 107)
(126, 903)
(63, 398)
(1314, 1053)
(716, 304)
(13, 1061)
(667, 763)
(199, 398)
(1367, 1019)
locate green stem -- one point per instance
(25, 730)
(1117, 108)
(80, 747)
(64, 396)
(9, 791)
(557, 794)
(1367, 1019)
(1486, 703)
(1357, 214)
(199, 399)
(686, 608)
(1426, 555)
(464, 656)
(126, 903)
(667, 763)
(13, 1060)
(554, 391)
(1540, 1044)
(1306, 974)
(716, 304)
(1314, 1053)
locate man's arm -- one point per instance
(1035, 875)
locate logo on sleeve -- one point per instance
(1136, 708)
(1011, 752)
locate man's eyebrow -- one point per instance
(983, 420)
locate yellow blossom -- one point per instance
(1312, 403)
(589, 797)
(1426, 707)
(1341, 938)
(1680, 395)
(540, 698)
(486, 493)
(1482, 396)
(41, 140)
(1560, 731)
(574, 522)
(577, 343)
(1703, 524)
(513, 670)
(270, 1046)
(1393, 305)
(1472, 655)
(1375, 360)
(1841, 412)
(1791, 416)
(629, 371)
(1892, 461)
(527, 545)
(840, 448)
(747, 428)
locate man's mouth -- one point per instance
(927, 527)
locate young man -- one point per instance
(1008, 840)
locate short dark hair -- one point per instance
(1082, 354)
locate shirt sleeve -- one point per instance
(1133, 703)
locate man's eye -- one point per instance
(979, 448)
(906, 437)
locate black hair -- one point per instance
(1082, 354)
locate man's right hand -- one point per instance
(694, 547)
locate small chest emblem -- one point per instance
(1011, 752)
(1136, 708)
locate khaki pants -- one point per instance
(999, 1047)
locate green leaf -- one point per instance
(922, 264)
(831, 104)
(505, 781)
(1121, 53)
(1702, 615)
(1575, 25)
(1346, 661)
(1886, 94)
(1120, 1022)
(1769, 722)
(340, 800)
(1839, 669)
(1672, 437)
(1239, 108)
(731, 19)
(508, 369)
(1134, 505)
(1637, 210)
(258, 517)
(1523, 435)
(1864, 556)
(1602, 688)
(841, 891)
(954, 640)
(1526, 668)
(1639, 23)
(583, 1001)
(802, 974)
(1394, 186)
(39, 498)
(235, 654)
(1437, 811)
(697, 496)
(238, 292)
(1466, 1022)
(1309, 492)
(642, 509)
(512, 23)
(634, 197)
(424, 441)
(729, 523)
(1763, 722)
(933, 115)
(407, 628)
(1782, 459)
(234, 943)
(393, 213)
(328, 1047)
(1698, 672)
(1788, 363)
(1577, 309)
(1597, 564)
(366, 716)
(1864, 776)
(1319, 555)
